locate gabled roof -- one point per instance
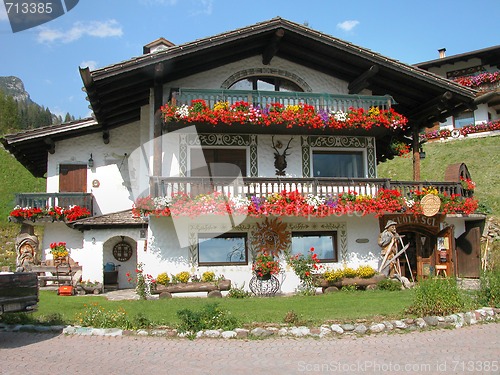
(488, 56)
(32, 146)
(117, 92)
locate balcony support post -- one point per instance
(416, 153)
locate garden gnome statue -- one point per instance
(387, 240)
(27, 248)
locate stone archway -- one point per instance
(119, 258)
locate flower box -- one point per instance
(347, 281)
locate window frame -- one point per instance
(244, 148)
(315, 233)
(278, 83)
(209, 236)
(346, 150)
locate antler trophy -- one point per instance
(280, 159)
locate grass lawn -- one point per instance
(311, 310)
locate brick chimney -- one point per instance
(442, 53)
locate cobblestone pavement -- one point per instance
(468, 350)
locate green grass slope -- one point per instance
(481, 155)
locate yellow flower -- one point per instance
(221, 106)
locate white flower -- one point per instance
(315, 201)
(409, 202)
(162, 202)
(182, 111)
(339, 115)
(240, 201)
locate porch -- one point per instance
(258, 98)
(322, 187)
(47, 200)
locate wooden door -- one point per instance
(469, 253)
(73, 178)
(423, 244)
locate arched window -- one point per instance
(266, 83)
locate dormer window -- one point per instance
(266, 83)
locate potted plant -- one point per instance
(59, 252)
(265, 265)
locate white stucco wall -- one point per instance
(108, 180)
(214, 78)
(164, 253)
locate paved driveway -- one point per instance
(469, 350)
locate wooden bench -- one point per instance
(67, 274)
(213, 288)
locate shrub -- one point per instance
(238, 292)
(365, 272)
(437, 296)
(211, 316)
(389, 284)
(489, 290)
(349, 272)
(162, 279)
(333, 275)
(208, 276)
(181, 277)
(97, 316)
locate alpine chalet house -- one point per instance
(264, 138)
(478, 70)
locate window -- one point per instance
(266, 83)
(463, 119)
(226, 249)
(224, 162)
(324, 243)
(338, 164)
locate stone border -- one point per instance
(482, 315)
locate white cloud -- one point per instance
(91, 64)
(206, 7)
(348, 25)
(106, 29)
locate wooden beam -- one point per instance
(431, 108)
(157, 126)
(273, 47)
(51, 146)
(362, 82)
(416, 152)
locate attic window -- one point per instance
(266, 83)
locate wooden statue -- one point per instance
(26, 248)
(388, 241)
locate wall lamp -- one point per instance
(91, 162)
(421, 153)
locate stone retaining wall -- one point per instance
(483, 315)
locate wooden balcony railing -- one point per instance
(46, 200)
(330, 102)
(262, 186)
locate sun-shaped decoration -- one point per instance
(271, 236)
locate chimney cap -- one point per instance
(157, 45)
(442, 52)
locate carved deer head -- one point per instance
(280, 159)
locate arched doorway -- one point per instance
(120, 258)
(430, 250)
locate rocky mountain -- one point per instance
(13, 86)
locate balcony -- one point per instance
(47, 200)
(323, 101)
(323, 187)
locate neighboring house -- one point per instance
(479, 70)
(290, 121)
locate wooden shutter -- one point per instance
(73, 178)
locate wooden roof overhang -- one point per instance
(31, 147)
(117, 92)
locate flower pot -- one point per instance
(266, 276)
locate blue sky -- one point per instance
(97, 33)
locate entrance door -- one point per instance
(418, 255)
(469, 253)
(73, 178)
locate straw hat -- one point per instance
(389, 223)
